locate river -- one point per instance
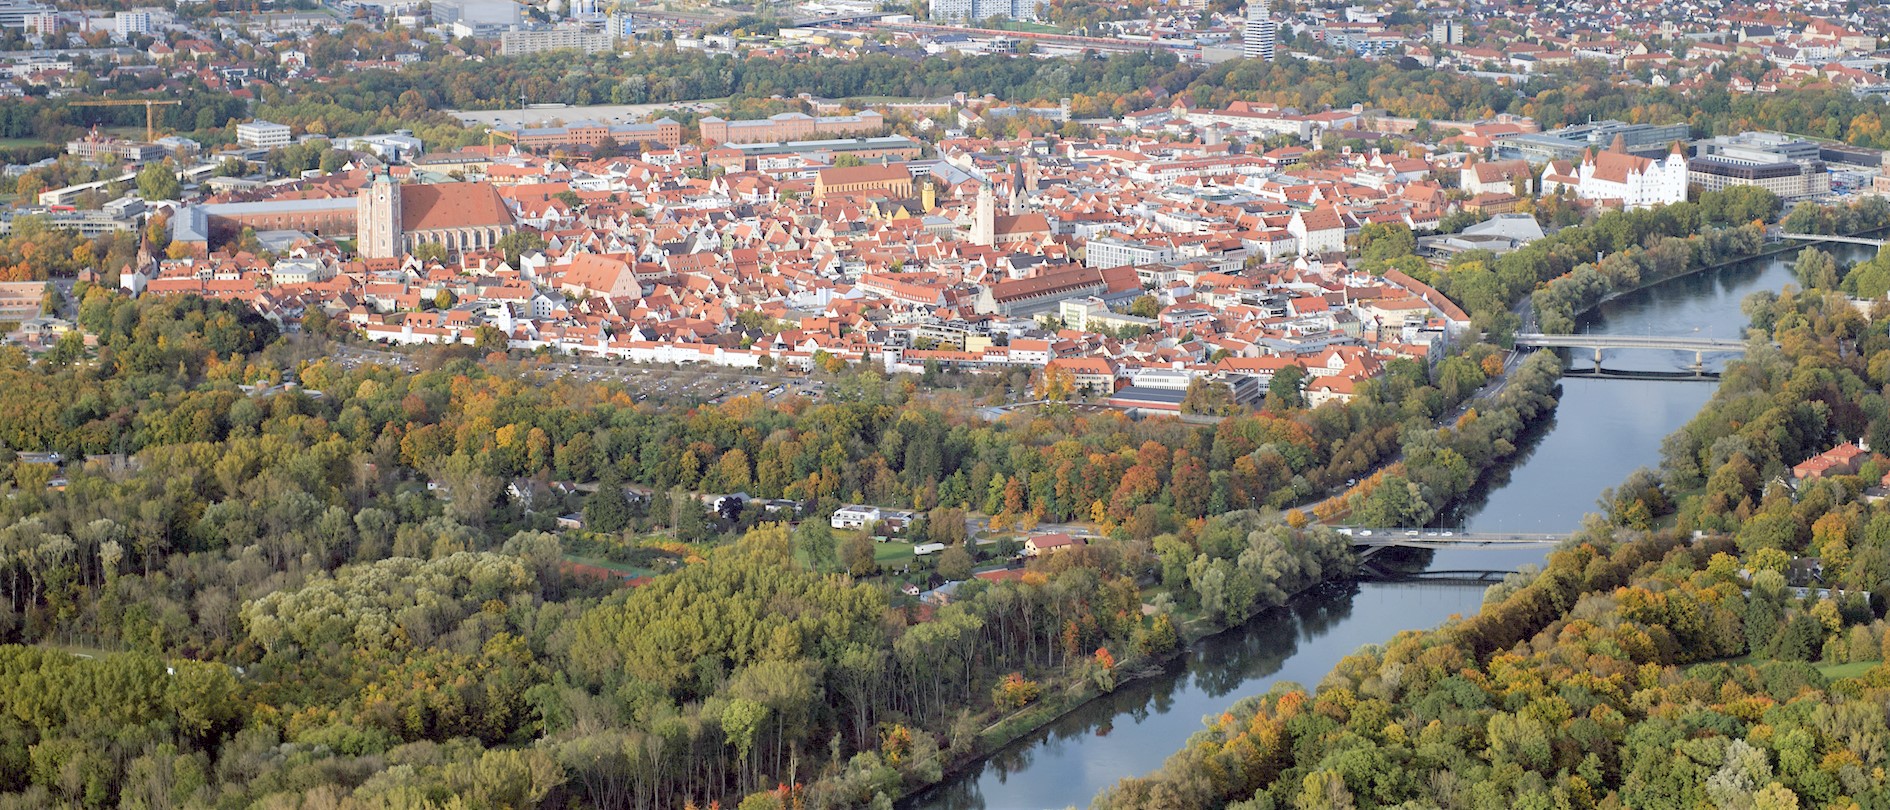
(1603, 430)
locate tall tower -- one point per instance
(984, 217)
(1257, 42)
(377, 226)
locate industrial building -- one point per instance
(1569, 143)
(1790, 167)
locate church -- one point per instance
(392, 219)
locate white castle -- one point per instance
(1637, 182)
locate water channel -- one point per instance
(1603, 430)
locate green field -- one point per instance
(892, 551)
(622, 568)
(1851, 670)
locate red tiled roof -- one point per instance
(451, 205)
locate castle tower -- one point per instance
(984, 217)
(928, 195)
(377, 230)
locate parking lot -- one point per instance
(665, 384)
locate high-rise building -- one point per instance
(1447, 31)
(14, 13)
(557, 38)
(972, 11)
(1262, 31)
(127, 24)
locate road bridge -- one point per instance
(1599, 343)
(1369, 541)
(1822, 237)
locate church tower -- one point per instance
(377, 231)
(984, 217)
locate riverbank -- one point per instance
(1777, 249)
(1681, 618)
(1081, 693)
(1772, 248)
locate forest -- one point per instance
(1713, 637)
(350, 609)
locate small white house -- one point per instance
(854, 517)
(923, 549)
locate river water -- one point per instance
(1603, 430)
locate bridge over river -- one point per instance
(1699, 346)
(1371, 540)
(1820, 237)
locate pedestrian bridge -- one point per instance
(1821, 237)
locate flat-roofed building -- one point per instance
(1789, 167)
(666, 131)
(262, 134)
(19, 300)
(562, 38)
(789, 127)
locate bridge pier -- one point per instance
(1597, 359)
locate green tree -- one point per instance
(815, 540)
(856, 552)
(606, 510)
(1286, 391)
(517, 243)
(954, 563)
(157, 181)
(1145, 306)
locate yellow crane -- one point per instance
(150, 104)
(492, 134)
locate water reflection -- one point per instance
(1131, 731)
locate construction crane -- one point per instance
(492, 134)
(150, 123)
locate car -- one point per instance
(1449, 534)
(1365, 533)
(1411, 533)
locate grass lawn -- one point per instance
(1851, 670)
(891, 551)
(13, 143)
